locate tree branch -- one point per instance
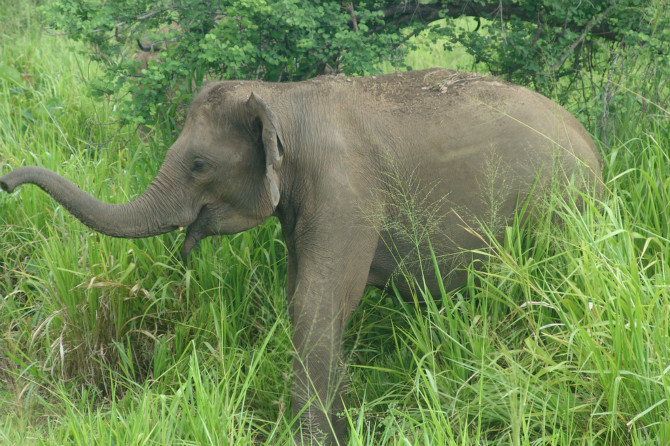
(354, 22)
(539, 29)
(587, 29)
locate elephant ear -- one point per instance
(272, 143)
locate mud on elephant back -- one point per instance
(344, 163)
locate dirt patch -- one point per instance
(449, 81)
(416, 92)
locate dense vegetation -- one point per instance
(570, 49)
(563, 339)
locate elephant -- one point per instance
(373, 179)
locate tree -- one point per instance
(180, 43)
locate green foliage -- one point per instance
(186, 42)
(156, 53)
(571, 51)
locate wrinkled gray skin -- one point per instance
(343, 163)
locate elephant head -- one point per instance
(219, 177)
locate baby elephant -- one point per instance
(350, 166)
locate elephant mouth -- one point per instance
(214, 219)
(194, 233)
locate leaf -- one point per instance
(29, 116)
(10, 74)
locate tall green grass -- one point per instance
(562, 339)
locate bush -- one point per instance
(186, 42)
(157, 52)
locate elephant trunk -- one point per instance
(151, 213)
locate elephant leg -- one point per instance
(329, 284)
(318, 381)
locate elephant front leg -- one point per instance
(318, 378)
(328, 288)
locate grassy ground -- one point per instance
(565, 339)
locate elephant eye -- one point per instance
(198, 165)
